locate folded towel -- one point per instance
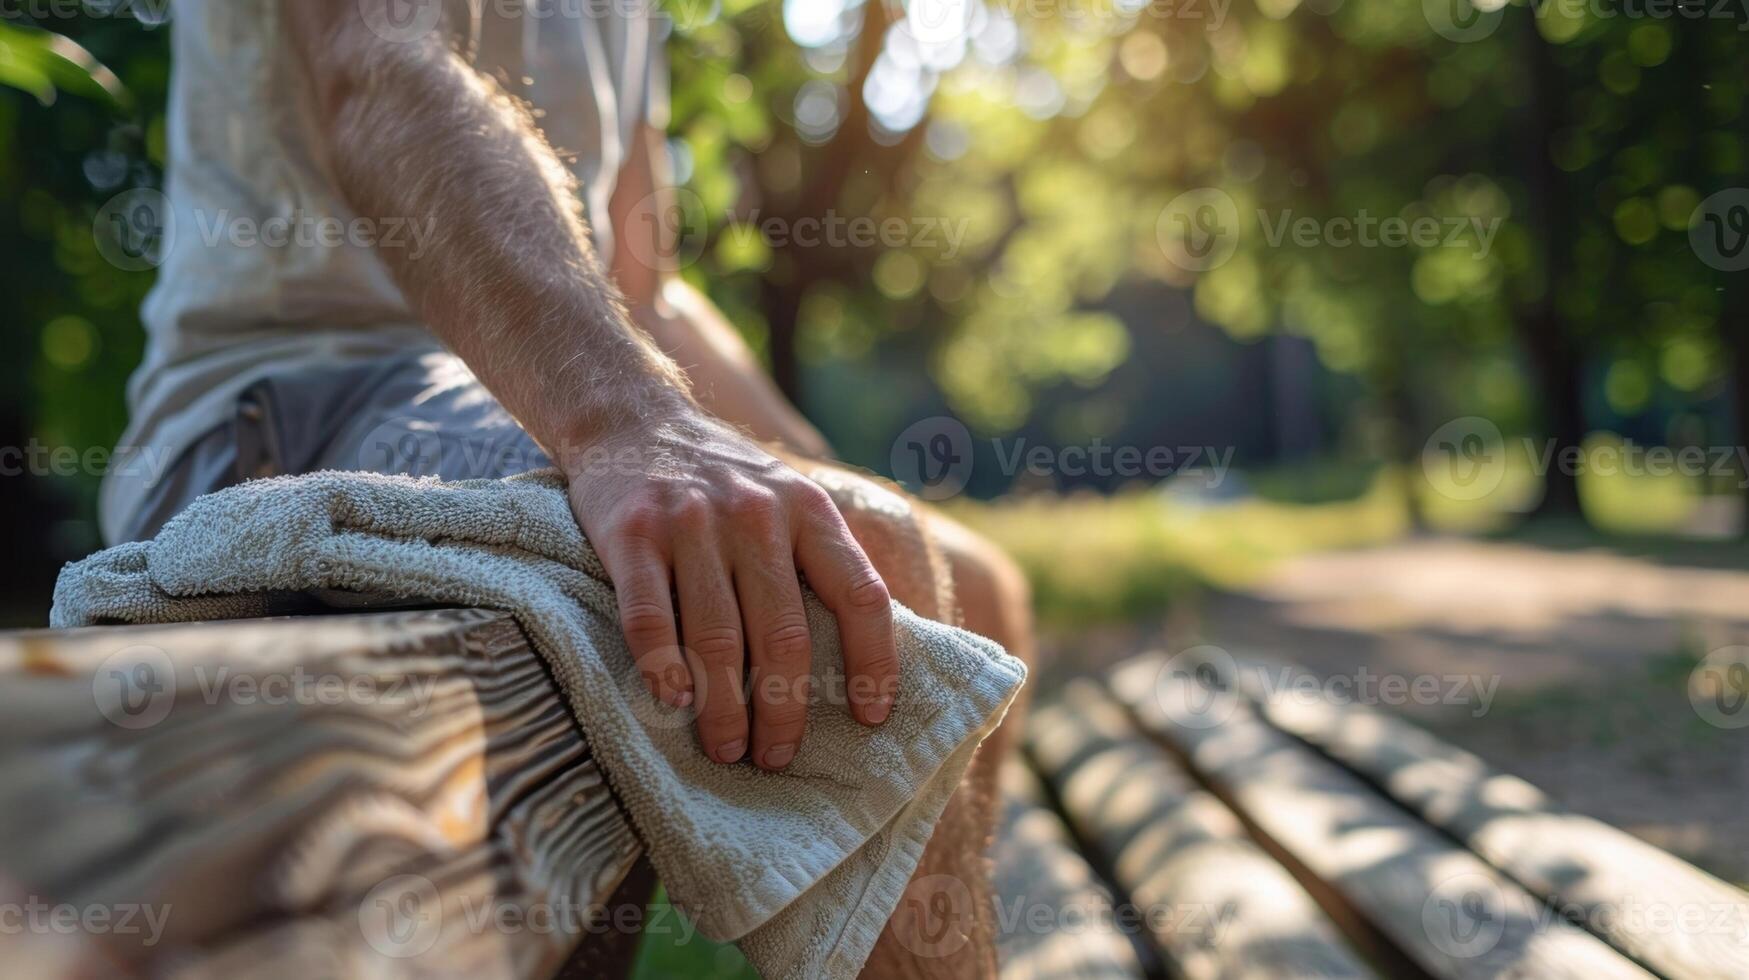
(801, 868)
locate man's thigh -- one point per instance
(428, 417)
(890, 527)
(418, 415)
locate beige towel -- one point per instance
(800, 868)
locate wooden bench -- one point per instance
(396, 793)
(404, 793)
(1270, 836)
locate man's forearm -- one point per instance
(509, 280)
(704, 534)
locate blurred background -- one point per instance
(1373, 333)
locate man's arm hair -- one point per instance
(703, 532)
(510, 281)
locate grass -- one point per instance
(1616, 503)
(667, 955)
(1101, 559)
(1093, 558)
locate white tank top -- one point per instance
(264, 268)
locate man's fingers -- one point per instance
(646, 617)
(710, 623)
(779, 649)
(848, 584)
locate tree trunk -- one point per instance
(1554, 358)
(1734, 330)
(782, 302)
(1559, 377)
(1406, 447)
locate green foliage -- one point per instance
(45, 64)
(1547, 148)
(73, 133)
(1030, 162)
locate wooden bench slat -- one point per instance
(1444, 907)
(1220, 907)
(265, 821)
(1675, 918)
(1040, 879)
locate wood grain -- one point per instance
(1446, 909)
(1055, 919)
(1669, 915)
(1219, 907)
(387, 794)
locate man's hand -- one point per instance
(687, 502)
(512, 284)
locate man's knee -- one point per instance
(890, 528)
(992, 592)
(935, 565)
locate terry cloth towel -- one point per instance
(801, 868)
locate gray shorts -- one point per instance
(420, 415)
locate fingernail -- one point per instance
(731, 751)
(778, 756)
(681, 699)
(878, 711)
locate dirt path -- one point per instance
(1570, 668)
